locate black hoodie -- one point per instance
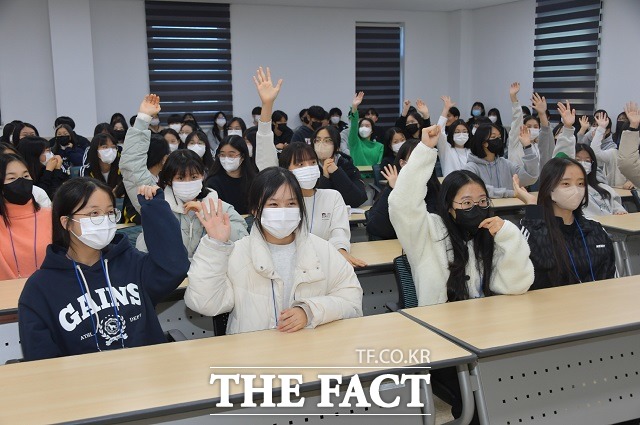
(53, 315)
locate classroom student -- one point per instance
(180, 174)
(94, 291)
(103, 163)
(338, 171)
(379, 225)
(280, 277)
(311, 121)
(44, 168)
(326, 211)
(461, 252)
(393, 139)
(607, 154)
(119, 129)
(588, 135)
(236, 127)
(25, 228)
(282, 134)
(173, 139)
(68, 146)
(485, 161)
(198, 142)
(218, 130)
(22, 130)
(453, 144)
(232, 173)
(477, 112)
(603, 200)
(541, 135)
(628, 157)
(566, 247)
(413, 119)
(186, 128)
(362, 149)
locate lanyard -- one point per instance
(35, 250)
(313, 210)
(586, 248)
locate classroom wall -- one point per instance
(619, 57)
(469, 54)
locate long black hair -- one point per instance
(388, 138)
(73, 196)
(296, 153)
(592, 178)
(481, 136)
(93, 160)
(451, 131)
(18, 128)
(265, 185)
(550, 177)
(333, 133)
(55, 143)
(31, 148)
(8, 147)
(207, 158)
(5, 160)
(248, 169)
(433, 184)
(483, 243)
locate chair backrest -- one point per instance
(75, 171)
(220, 324)
(131, 232)
(377, 174)
(407, 297)
(636, 198)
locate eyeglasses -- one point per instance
(96, 217)
(323, 140)
(468, 204)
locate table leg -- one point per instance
(466, 392)
(483, 416)
(429, 409)
(623, 262)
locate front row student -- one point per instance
(463, 251)
(94, 291)
(566, 247)
(281, 276)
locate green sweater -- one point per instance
(362, 151)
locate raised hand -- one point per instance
(215, 221)
(148, 191)
(524, 136)
(627, 185)
(602, 119)
(422, 108)
(150, 105)
(513, 91)
(633, 114)
(405, 107)
(568, 115)
(448, 104)
(521, 193)
(357, 100)
(390, 173)
(492, 224)
(266, 90)
(539, 103)
(584, 123)
(430, 135)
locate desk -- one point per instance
(359, 218)
(377, 254)
(620, 228)
(365, 168)
(125, 225)
(173, 379)
(625, 194)
(564, 355)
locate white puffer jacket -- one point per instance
(240, 278)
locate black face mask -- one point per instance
(282, 126)
(471, 219)
(119, 134)
(411, 129)
(316, 125)
(63, 140)
(19, 191)
(495, 145)
(305, 120)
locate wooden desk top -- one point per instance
(10, 291)
(359, 218)
(377, 253)
(161, 379)
(626, 223)
(124, 226)
(624, 193)
(508, 323)
(364, 168)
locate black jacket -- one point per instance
(346, 180)
(542, 255)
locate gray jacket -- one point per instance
(498, 175)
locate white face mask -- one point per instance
(493, 118)
(47, 156)
(108, 155)
(250, 147)
(323, 150)
(199, 149)
(335, 120)
(96, 236)
(155, 121)
(183, 137)
(364, 132)
(235, 133)
(187, 191)
(568, 198)
(221, 122)
(230, 164)
(173, 147)
(280, 222)
(460, 138)
(534, 132)
(307, 176)
(586, 165)
(256, 118)
(396, 146)
(175, 127)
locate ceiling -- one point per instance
(413, 5)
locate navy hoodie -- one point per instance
(53, 315)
